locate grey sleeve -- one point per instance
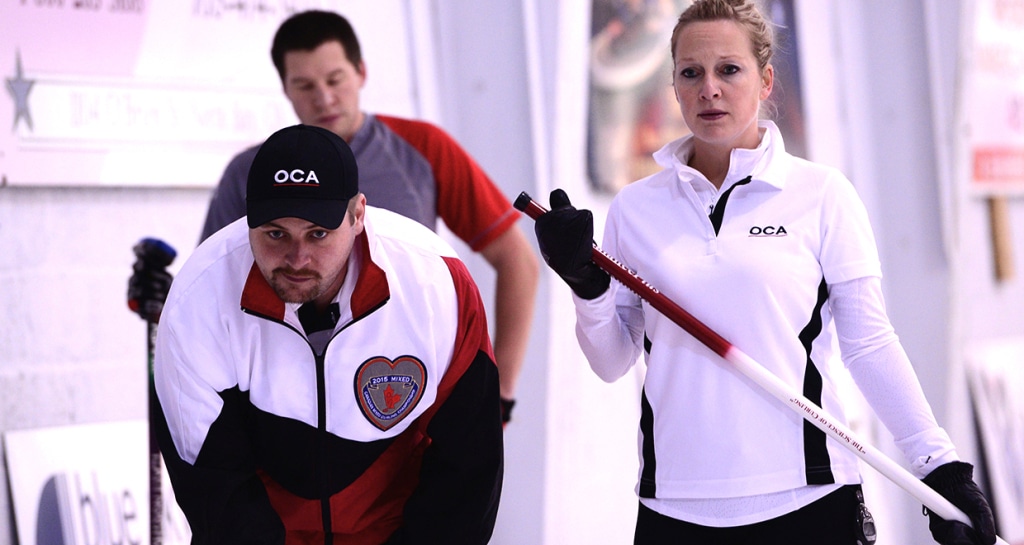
(227, 203)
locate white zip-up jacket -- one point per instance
(393, 432)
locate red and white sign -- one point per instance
(995, 96)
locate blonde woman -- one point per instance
(776, 254)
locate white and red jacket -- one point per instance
(391, 435)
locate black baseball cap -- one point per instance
(301, 172)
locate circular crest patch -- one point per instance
(388, 390)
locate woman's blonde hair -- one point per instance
(745, 13)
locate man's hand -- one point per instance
(954, 481)
(566, 239)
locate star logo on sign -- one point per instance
(19, 88)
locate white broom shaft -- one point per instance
(844, 436)
(822, 420)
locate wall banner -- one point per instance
(161, 92)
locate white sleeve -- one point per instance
(883, 372)
(610, 330)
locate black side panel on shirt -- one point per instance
(648, 484)
(816, 459)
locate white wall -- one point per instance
(71, 353)
(887, 133)
(895, 70)
(484, 104)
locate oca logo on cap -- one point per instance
(296, 176)
(318, 178)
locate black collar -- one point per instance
(313, 321)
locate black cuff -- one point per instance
(506, 409)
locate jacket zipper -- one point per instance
(321, 413)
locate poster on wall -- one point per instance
(632, 109)
(161, 92)
(995, 98)
(87, 485)
(995, 374)
(993, 107)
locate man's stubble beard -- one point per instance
(290, 293)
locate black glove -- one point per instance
(147, 291)
(954, 481)
(506, 410)
(566, 239)
(150, 281)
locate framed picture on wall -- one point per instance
(632, 111)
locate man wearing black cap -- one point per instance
(324, 370)
(408, 166)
